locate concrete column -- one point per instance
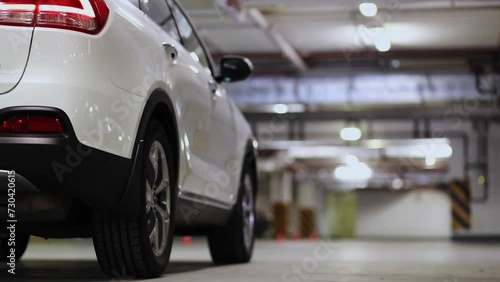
(281, 199)
(307, 204)
(307, 194)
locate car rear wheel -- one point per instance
(234, 242)
(141, 247)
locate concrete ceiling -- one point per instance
(333, 40)
(320, 30)
(324, 32)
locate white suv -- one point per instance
(114, 125)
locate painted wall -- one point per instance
(341, 212)
(423, 214)
(485, 217)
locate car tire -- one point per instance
(22, 241)
(234, 242)
(140, 248)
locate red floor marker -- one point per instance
(280, 237)
(313, 237)
(186, 240)
(296, 237)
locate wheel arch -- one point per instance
(163, 110)
(251, 158)
(159, 106)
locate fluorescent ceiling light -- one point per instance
(408, 34)
(368, 34)
(280, 108)
(357, 172)
(315, 152)
(351, 160)
(376, 36)
(430, 160)
(431, 149)
(350, 134)
(382, 43)
(368, 9)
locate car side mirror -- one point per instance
(234, 68)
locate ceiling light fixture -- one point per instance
(350, 134)
(430, 161)
(281, 108)
(368, 9)
(357, 172)
(351, 160)
(382, 43)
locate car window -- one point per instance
(160, 13)
(189, 38)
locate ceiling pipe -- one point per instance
(286, 48)
(483, 112)
(383, 4)
(233, 8)
(230, 7)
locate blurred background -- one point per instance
(378, 126)
(374, 119)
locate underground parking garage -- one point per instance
(250, 140)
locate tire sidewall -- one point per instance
(156, 132)
(237, 220)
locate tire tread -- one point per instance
(119, 244)
(117, 247)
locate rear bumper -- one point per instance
(60, 164)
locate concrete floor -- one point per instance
(355, 261)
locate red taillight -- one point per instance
(31, 124)
(87, 16)
(81, 15)
(17, 12)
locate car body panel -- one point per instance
(14, 52)
(103, 82)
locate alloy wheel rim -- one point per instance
(158, 199)
(248, 212)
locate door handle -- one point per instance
(171, 51)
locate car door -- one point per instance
(214, 137)
(222, 142)
(186, 74)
